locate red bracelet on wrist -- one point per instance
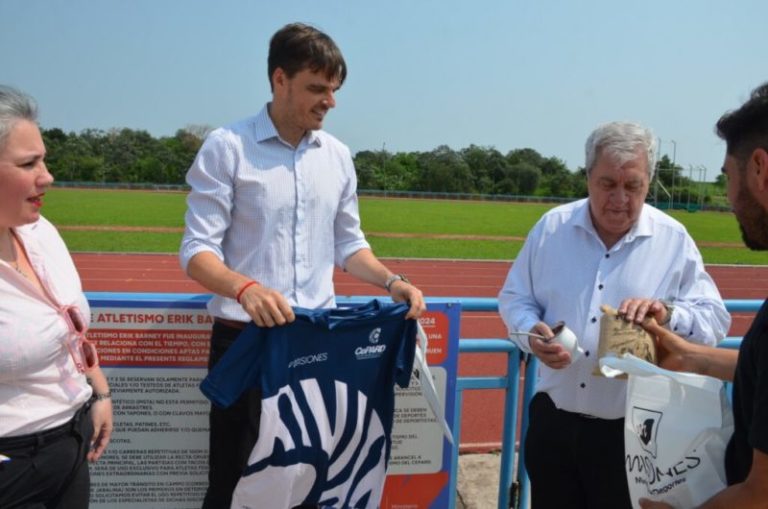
(244, 288)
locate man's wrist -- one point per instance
(244, 287)
(669, 308)
(392, 279)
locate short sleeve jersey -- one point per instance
(327, 383)
(750, 400)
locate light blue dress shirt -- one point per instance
(281, 215)
(564, 272)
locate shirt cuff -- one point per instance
(347, 250)
(681, 322)
(187, 252)
(524, 342)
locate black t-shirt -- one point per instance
(750, 400)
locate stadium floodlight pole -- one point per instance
(658, 149)
(674, 159)
(656, 173)
(674, 151)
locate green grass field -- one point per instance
(481, 230)
(99, 207)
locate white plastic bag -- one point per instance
(676, 429)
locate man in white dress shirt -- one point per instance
(273, 208)
(610, 248)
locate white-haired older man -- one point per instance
(610, 248)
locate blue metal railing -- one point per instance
(510, 383)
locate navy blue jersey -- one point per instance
(327, 383)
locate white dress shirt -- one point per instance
(564, 272)
(278, 214)
(40, 387)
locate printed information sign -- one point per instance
(154, 354)
(419, 470)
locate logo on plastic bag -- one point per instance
(646, 425)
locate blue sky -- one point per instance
(508, 74)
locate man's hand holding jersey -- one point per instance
(266, 306)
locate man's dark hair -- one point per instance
(746, 128)
(297, 46)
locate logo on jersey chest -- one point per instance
(370, 352)
(308, 359)
(373, 350)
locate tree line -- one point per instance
(121, 155)
(135, 156)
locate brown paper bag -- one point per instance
(617, 336)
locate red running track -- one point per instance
(482, 414)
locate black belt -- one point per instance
(43, 437)
(232, 324)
